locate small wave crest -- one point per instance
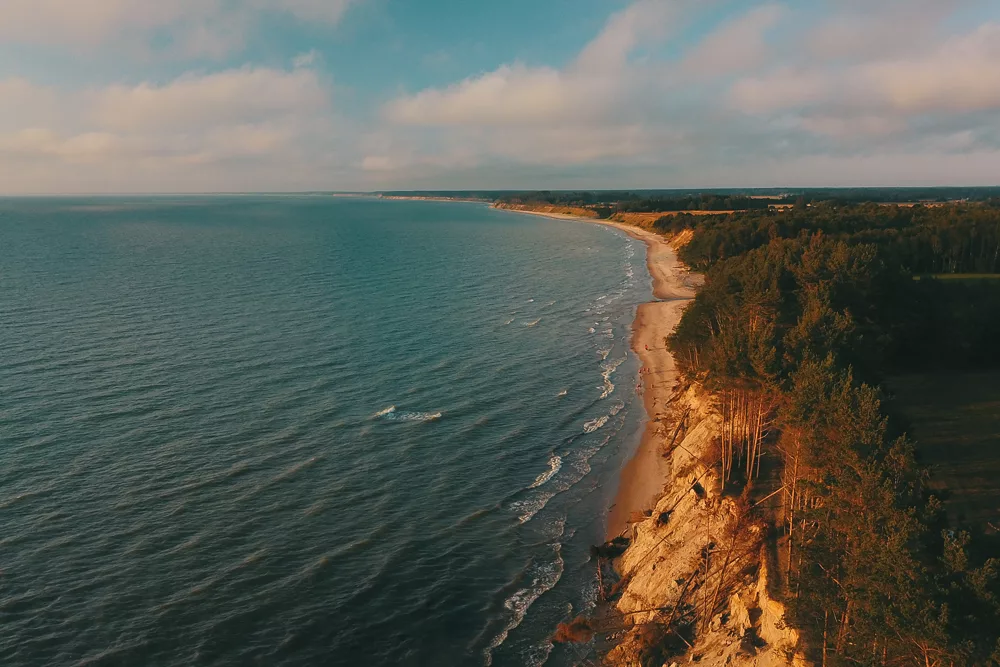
(562, 393)
(594, 424)
(527, 509)
(555, 463)
(391, 414)
(531, 324)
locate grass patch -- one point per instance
(955, 421)
(962, 276)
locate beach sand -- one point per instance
(674, 286)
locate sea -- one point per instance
(307, 430)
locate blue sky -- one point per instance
(250, 95)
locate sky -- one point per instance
(129, 96)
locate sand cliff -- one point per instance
(698, 562)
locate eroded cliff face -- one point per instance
(695, 576)
(548, 209)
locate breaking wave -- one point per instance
(555, 463)
(594, 424)
(390, 414)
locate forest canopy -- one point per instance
(802, 315)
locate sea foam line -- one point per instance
(544, 578)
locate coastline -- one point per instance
(642, 478)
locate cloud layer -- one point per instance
(666, 93)
(193, 28)
(771, 87)
(238, 129)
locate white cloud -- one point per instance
(958, 75)
(538, 114)
(193, 27)
(510, 95)
(247, 95)
(737, 46)
(263, 125)
(814, 82)
(784, 93)
(640, 22)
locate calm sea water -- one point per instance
(306, 430)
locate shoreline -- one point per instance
(642, 478)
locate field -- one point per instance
(955, 420)
(967, 276)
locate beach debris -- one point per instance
(577, 631)
(611, 549)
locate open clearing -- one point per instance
(955, 420)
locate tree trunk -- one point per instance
(826, 618)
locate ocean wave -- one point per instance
(608, 388)
(591, 330)
(617, 407)
(555, 463)
(607, 368)
(581, 463)
(604, 353)
(531, 324)
(527, 509)
(594, 424)
(509, 321)
(562, 393)
(544, 577)
(390, 414)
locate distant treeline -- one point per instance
(746, 198)
(953, 238)
(607, 204)
(801, 316)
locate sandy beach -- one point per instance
(674, 286)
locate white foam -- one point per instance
(594, 424)
(555, 463)
(531, 324)
(391, 414)
(609, 367)
(604, 353)
(617, 407)
(561, 393)
(508, 321)
(609, 388)
(527, 509)
(531, 300)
